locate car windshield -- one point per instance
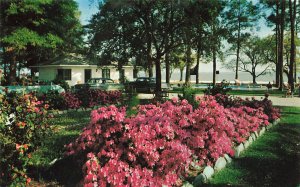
(100, 81)
(146, 79)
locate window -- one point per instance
(64, 74)
(106, 73)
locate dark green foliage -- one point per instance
(36, 31)
(24, 123)
(54, 99)
(62, 83)
(218, 89)
(266, 104)
(189, 94)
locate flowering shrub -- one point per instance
(23, 124)
(99, 97)
(220, 88)
(54, 99)
(71, 100)
(94, 97)
(159, 144)
(265, 104)
(247, 120)
(84, 98)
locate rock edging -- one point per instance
(208, 171)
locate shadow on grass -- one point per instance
(65, 171)
(273, 160)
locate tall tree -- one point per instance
(152, 25)
(255, 54)
(31, 32)
(241, 16)
(281, 40)
(273, 18)
(292, 10)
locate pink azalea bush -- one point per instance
(91, 98)
(236, 102)
(85, 98)
(98, 97)
(71, 101)
(159, 144)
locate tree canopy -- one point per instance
(34, 31)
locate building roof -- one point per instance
(68, 60)
(74, 61)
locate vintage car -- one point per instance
(105, 84)
(36, 88)
(145, 85)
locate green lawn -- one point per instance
(257, 92)
(66, 129)
(272, 160)
(241, 92)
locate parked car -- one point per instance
(105, 84)
(37, 88)
(146, 85)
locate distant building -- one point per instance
(76, 70)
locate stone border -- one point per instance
(208, 171)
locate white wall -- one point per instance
(47, 73)
(50, 73)
(129, 73)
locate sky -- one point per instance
(87, 9)
(90, 7)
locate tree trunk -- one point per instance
(198, 62)
(167, 67)
(282, 25)
(181, 74)
(292, 52)
(253, 74)
(188, 64)
(158, 78)
(149, 56)
(238, 46)
(12, 70)
(253, 79)
(150, 70)
(277, 34)
(214, 66)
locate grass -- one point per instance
(66, 129)
(272, 160)
(274, 92)
(257, 92)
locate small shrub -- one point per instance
(54, 99)
(189, 94)
(221, 88)
(62, 83)
(95, 97)
(23, 124)
(70, 100)
(266, 104)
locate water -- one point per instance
(207, 77)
